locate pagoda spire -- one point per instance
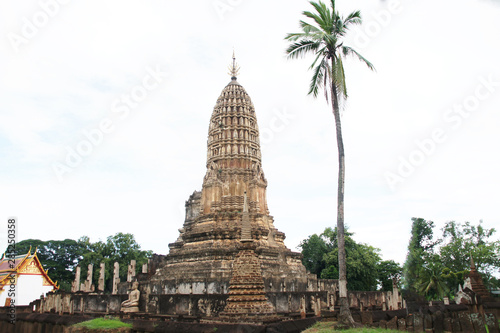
(472, 264)
(234, 69)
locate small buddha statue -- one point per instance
(132, 304)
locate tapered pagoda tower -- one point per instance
(231, 210)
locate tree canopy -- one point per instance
(365, 268)
(60, 257)
(435, 268)
(119, 248)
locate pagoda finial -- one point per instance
(234, 69)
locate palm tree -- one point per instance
(323, 38)
(431, 281)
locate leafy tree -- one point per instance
(324, 39)
(389, 271)
(420, 248)
(59, 257)
(62, 257)
(460, 242)
(434, 271)
(121, 248)
(361, 262)
(313, 251)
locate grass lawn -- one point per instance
(327, 327)
(103, 323)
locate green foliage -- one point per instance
(420, 247)
(103, 323)
(324, 39)
(320, 256)
(314, 249)
(436, 271)
(389, 271)
(119, 248)
(461, 241)
(62, 257)
(58, 257)
(431, 282)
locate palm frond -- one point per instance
(319, 21)
(302, 47)
(321, 53)
(308, 28)
(327, 84)
(352, 18)
(317, 80)
(332, 4)
(296, 36)
(324, 14)
(331, 41)
(324, 37)
(338, 77)
(346, 50)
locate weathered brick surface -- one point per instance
(455, 325)
(231, 207)
(492, 323)
(438, 322)
(366, 318)
(247, 301)
(427, 321)
(447, 326)
(418, 323)
(478, 322)
(392, 324)
(465, 322)
(402, 324)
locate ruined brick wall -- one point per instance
(449, 318)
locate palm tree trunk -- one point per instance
(344, 317)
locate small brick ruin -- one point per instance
(247, 301)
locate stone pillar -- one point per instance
(317, 307)
(331, 301)
(131, 271)
(395, 295)
(100, 285)
(302, 307)
(116, 278)
(89, 287)
(75, 286)
(145, 268)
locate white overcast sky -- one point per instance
(65, 73)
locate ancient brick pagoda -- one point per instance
(231, 209)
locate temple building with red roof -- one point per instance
(30, 279)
